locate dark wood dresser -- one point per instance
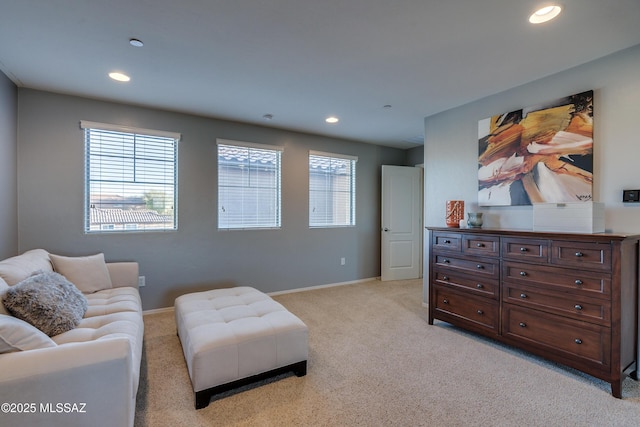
(570, 298)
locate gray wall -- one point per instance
(197, 256)
(8, 186)
(415, 156)
(451, 143)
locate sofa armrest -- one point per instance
(75, 384)
(123, 274)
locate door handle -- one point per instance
(385, 229)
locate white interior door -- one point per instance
(401, 223)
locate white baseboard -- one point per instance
(157, 310)
(289, 291)
(330, 285)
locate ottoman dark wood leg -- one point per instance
(204, 397)
(300, 368)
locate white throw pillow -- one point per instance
(18, 268)
(18, 335)
(3, 290)
(88, 273)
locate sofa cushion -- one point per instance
(88, 273)
(18, 268)
(18, 335)
(115, 300)
(112, 325)
(112, 313)
(48, 301)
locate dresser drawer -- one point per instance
(447, 242)
(576, 307)
(582, 255)
(529, 249)
(481, 245)
(558, 334)
(476, 285)
(454, 306)
(477, 266)
(561, 279)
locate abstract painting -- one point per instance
(541, 154)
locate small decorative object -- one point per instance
(474, 220)
(455, 212)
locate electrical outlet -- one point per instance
(141, 282)
(631, 196)
(343, 261)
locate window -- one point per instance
(332, 190)
(130, 179)
(248, 185)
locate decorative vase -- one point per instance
(474, 220)
(455, 212)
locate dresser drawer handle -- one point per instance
(523, 295)
(523, 273)
(523, 249)
(578, 307)
(480, 267)
(480, 245)
(479, 286)
(523, 325)
(578, 341)
(578, 254)
(446, 261)
(446, 242)
(445, 301)
(480, 312)
(578, 282)
(445, 278)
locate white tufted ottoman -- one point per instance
(236, 336)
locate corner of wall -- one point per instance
(8, 167)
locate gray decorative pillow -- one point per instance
(48, 301)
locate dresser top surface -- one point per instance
(538, 234)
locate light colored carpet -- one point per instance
(374, 361)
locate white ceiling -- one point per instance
(303, 60)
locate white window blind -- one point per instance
(130, 179)
(249, 185)
(332, 190)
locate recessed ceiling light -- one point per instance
(119, 77)
(136, 43)
(332, 119)
(545, 14)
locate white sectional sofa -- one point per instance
(86, 376)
